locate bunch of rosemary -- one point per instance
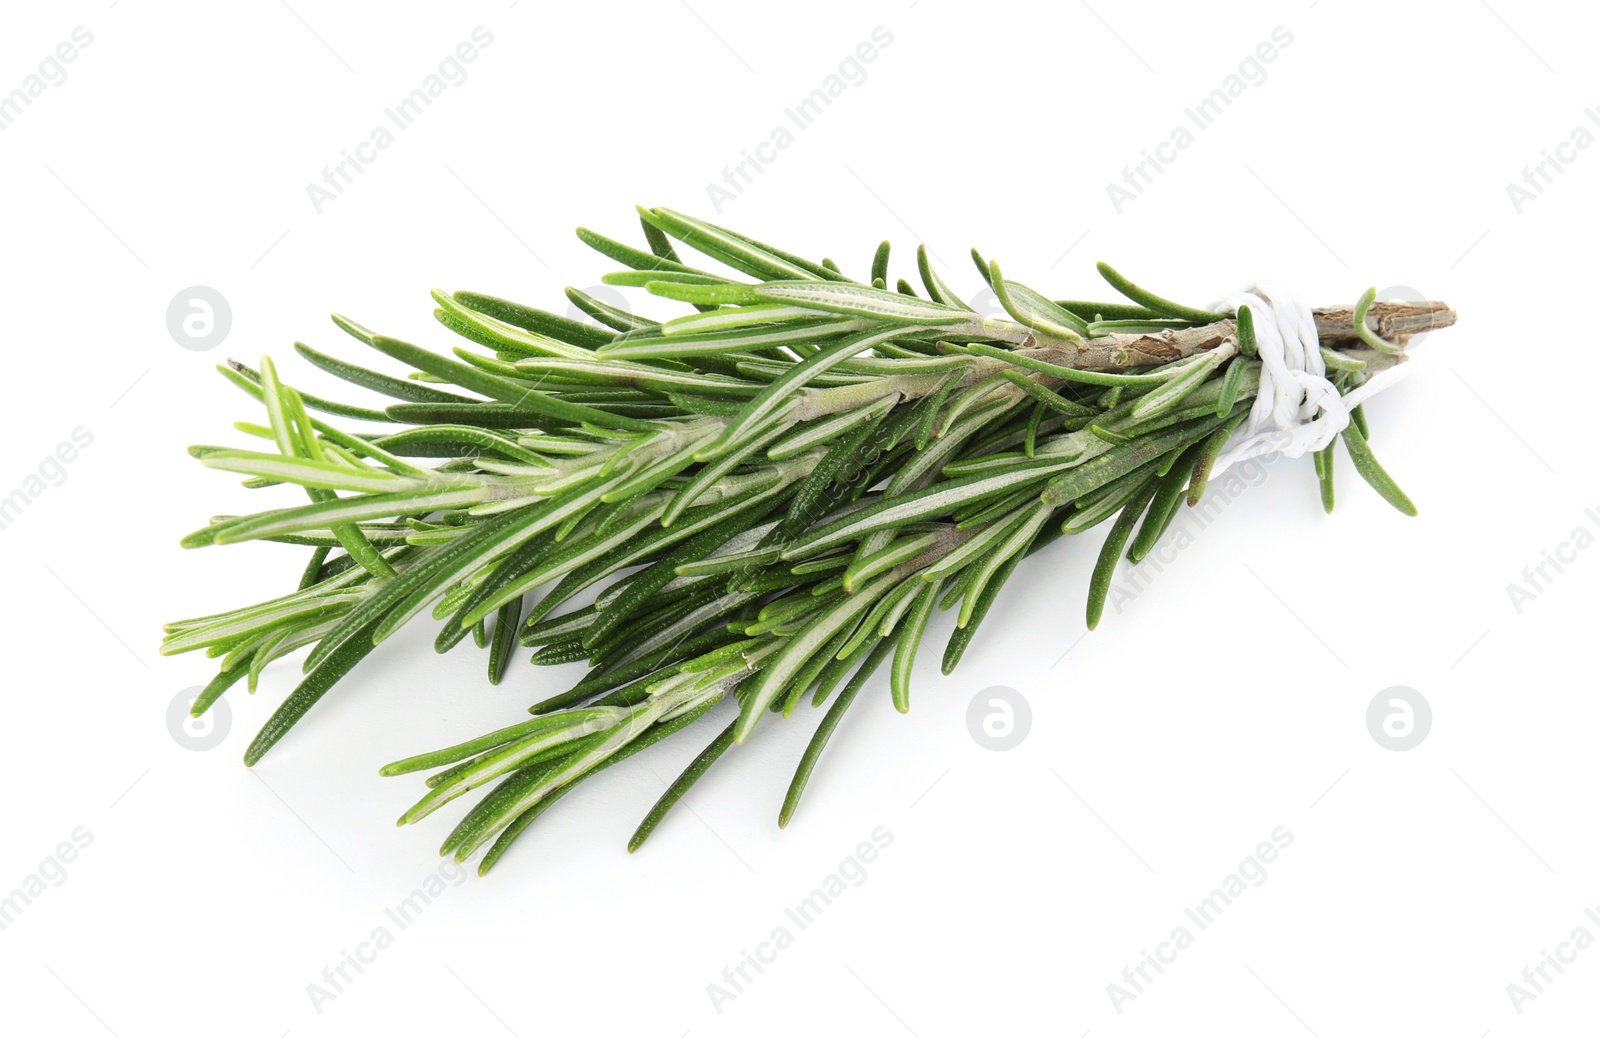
(765, 498)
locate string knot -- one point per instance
(1297, 409)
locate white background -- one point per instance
(1226, 701)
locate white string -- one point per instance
(1297, 409)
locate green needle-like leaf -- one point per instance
(1324, 462)
(829, 724)
(1366, 465)
(1150, 300)
(1105, 566)
(861, 301)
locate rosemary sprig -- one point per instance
(772, 492)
